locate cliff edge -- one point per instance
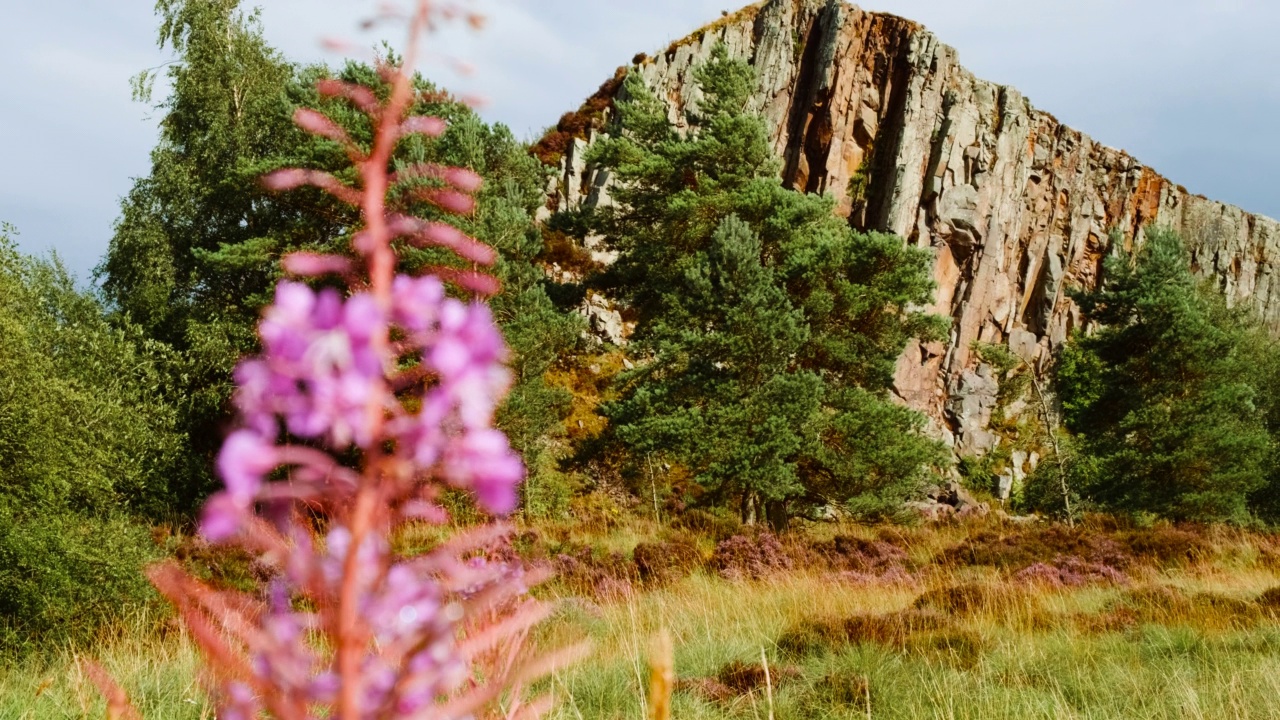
(1016, 207)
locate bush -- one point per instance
(547, 493)
(1028, 546)
(959, 648)
(87, 446)
(596, 512)
(842, 688)
(1166, 545)
(63, 575)
(1165, 605)
(892, 629)
(606, 575)
(847, 552)
(83, 426)
(1070, 571)
(718, 527)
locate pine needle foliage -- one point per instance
(1165, 398)
(769, 327)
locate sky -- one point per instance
(1190, 87)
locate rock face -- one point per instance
(1016, 207)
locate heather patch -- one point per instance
(746, 557)
(1070, 571)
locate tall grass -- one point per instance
(1178, 640)
(1060, 671)
(156, 667)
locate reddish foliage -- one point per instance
(709, 688)
(604, 576)
(750, 557)
(894, 575)
(1027, 546)
(560, 249)
(223, 567)
(846, 552)
(1169, 545)
(1070, 571)
(578, 124)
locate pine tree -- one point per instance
(1163, 398)
(724, 392)
(769, 327)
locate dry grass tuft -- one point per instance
(1172, 606)
(709, 688)
(1269, 601)
(843, 689)
(659, 562)
(891, 629)
(956, 647)
(743, 677)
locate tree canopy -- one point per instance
(1165, 397)
(768, 328)
(195, 253)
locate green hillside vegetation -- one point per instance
(975, 621)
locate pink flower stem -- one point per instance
(352, 636)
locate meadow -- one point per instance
(981, 620)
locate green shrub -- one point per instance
(547, 491)
(87, 443)
(62, 575)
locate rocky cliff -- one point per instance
(1016, 207)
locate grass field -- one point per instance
(1044, 655)
(959, 622)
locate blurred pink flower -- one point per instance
(330, 460)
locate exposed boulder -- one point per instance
(603, 322)
(972, 400)
(949, 500)
(931, 511)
